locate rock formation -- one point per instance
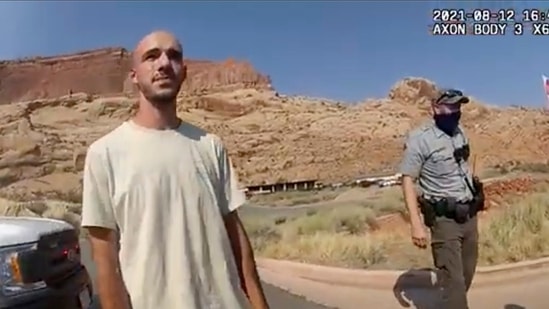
(62, 104)
(105, 72)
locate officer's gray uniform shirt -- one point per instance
(429, 157)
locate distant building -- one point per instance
(381, 181)
(300, 185)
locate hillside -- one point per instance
(270, 137)
(105, 72)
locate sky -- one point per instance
(345, 50)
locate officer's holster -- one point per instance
(446, 207)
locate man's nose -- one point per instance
(163, 60)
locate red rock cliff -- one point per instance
(104, 72)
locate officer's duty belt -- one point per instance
(460, 211)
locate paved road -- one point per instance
(526, 290)
(278, 299)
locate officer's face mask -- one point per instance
(448, 123)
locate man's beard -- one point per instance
(161, 99)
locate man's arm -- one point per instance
(244, 257)
(410, 168)
(230, 198)
(98, 218)
(410, 199)
(111, 288)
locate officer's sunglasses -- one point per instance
(449, 94)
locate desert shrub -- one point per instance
(518, 232)
(342, 237)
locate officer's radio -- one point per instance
(477, 187)
(462, 153)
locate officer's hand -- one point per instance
(419, 236)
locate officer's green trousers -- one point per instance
(455, 253)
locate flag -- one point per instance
(546, 88)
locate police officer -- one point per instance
(449, 196)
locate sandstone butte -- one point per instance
(52, 108)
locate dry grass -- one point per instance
(293, 198)
(513, 168)
(516, 167)
(387, 199)
(518, 232)
(340, 237)
(324, 236)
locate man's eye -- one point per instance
(174, 55)
(151, 56)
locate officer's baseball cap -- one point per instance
(450, 97)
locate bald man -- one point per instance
(166, 189)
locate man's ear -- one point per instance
(183, 72)
(133, 76)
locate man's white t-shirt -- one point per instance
(166, 192)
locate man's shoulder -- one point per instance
(200, 135)
(109, 140)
